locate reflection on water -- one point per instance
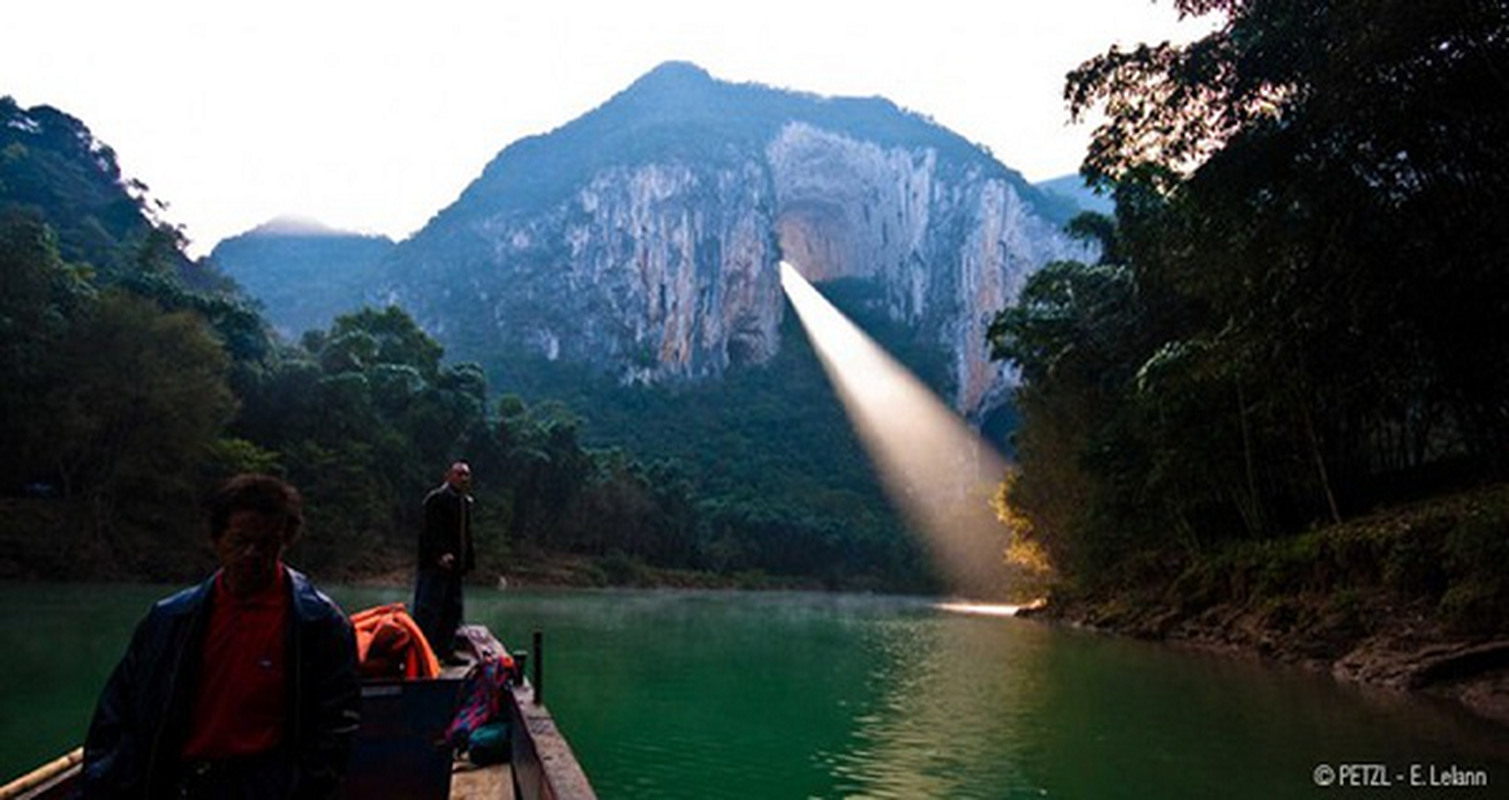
(60, 642)
(736, 695)
(708, 695)
(952, 699)
(980, 609)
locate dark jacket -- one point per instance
(139, 723)
(447, 529)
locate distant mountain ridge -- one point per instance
(303, 272)
(1072, 189)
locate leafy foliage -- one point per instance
(111, 401)
(51, 165)
(1298, 309)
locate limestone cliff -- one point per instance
(644, 237)
(949, 244)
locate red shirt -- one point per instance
(241, 703)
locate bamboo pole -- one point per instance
(41, 775)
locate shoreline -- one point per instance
(1414, 656)
(1410, 598)
(584, 572)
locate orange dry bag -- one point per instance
(389, 644)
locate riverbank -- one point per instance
(1412, 599)
(45, 539)
(566, 571)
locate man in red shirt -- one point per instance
(242, 687)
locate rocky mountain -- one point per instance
(303, 272)
(642, 239)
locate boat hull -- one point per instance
(400, 751)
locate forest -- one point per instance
(137, 378)
(1298, 313)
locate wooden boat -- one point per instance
(400, 751)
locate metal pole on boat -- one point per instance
(539, 666)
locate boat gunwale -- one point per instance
(543, 765)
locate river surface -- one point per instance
(708, 695)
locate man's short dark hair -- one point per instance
(262, 494)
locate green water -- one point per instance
(707, 695)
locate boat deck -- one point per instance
(493, 782)
(471, 782)
(542, 763)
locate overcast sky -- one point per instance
(373, 116)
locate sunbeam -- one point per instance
(937, 470)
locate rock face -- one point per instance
(644, 238)
(949, 244)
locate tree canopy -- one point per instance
(1299, 306)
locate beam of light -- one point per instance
(980, 609)
(940, 474)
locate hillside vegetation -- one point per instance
(1297, 320)
(1299, 308)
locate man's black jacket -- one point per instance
(140, 720)
(447, 529)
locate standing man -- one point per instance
(445, 556)
(244, 686)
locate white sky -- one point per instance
(373, 116)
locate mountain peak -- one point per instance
(672, 83)
(673, 73)
(293, 225)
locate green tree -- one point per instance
(136, 398)
(1342, 219)
(39, 297)
(1294, 307)
(363, 417)
(388, 336)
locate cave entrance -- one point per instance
(815, 236)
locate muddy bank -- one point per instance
(1413, 599)
(1403, 650)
